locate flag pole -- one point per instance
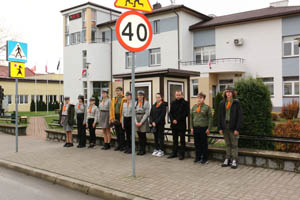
(47, 96)
(35, 104)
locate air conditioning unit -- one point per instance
(238, 42)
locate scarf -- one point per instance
(228, 105)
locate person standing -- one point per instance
(116, 109)
(81, 113)
(126, 121)
(92, 115)
(179, 111)
(158, 120)
(229, 124)
(142, 121)
(67, 114)
(201, 123)
(104, 108)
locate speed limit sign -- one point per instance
(134, 31)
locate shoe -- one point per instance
(70, 145)
(91, 146)
(204, 162)
(138, 153)
(197, 160)
(117, 148)
(142, 153)
(226, 163)
(122, 149)
(172, 156)
(80, 146)
(66, 144)
(234, 164)
(104, 146)
(155, 152)
(108, 146)
(181, 157)
(160, 153)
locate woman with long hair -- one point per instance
(104, 108)
(67, 114)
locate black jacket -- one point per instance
(71, 114)
(179, 111)
(158, 115)
(235, 116)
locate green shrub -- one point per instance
(256, 105)
(96, 96)
(32, 106)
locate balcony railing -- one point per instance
(214, 61)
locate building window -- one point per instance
(156, 27)
(103, 37)
(223, 84)
(205, 54)
(155, 57)
(9, 101)
(23, 99)
(94, 33)
(83, 19)
(67, 38)
(99, 86)
(61, 98)
(83, 36)
(291, 86)
(290, 48)
(269, 82)
(94, 17)
(84, 59)
(129, 60)
(195, 88)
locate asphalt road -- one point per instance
(17, 186)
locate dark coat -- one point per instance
(71, 114)
(158, 115)
(235, 116)
(179, 111)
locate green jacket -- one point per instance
(202, 119)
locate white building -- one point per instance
(186, 43)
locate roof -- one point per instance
(4, 72)
(263, 13)
(163, 72)
(91, 4)
(166, 9)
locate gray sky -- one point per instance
(39, 22)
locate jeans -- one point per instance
(159, 137)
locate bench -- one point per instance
(23, 119)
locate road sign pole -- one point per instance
(133, 112)
(16, 116)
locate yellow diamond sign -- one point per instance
(17, 70)
(141, 5)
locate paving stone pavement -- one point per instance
(157, 178)
(36, 127)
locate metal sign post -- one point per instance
(16, 116)
(133, 113)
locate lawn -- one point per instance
(49, 121)
(35, 114)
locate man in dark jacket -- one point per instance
(229, 124)
(178, 113)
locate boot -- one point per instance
(104, 146)
(108, 146)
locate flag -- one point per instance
(46, 69)
(33, 69)
(209, 63)
(58, 65)
(83, 73)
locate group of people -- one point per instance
(117, 113)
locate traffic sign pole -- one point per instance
(16, 116)
(133, 113)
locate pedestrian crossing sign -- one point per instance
(141, 5)
(17, 70)
(16, 51)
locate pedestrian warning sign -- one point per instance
(16, 51)
(141, 5)
(17, 70)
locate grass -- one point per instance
(36, 114)
(49, 120)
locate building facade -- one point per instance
(190, 51)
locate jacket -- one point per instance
(235, 116)
(202, 119)
(112, 109)
(179, 111)
(71, 114)
(158, 115)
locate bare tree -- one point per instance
(5, 35)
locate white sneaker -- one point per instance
(160, 153)
(155, 152)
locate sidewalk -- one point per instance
(157, 178)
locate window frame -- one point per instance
(156, 27)
(192, 87)
(293, 44)
(205, 51)
(128, 55)
(155, 54)
(293, 83)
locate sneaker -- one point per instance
(234, 164)
(226, 163)
(70, 145)
(91, 146)
(66, 144)
(160, 153)
(204, 162)
(155, 152)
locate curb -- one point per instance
(75, 184)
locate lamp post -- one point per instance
(298, 40)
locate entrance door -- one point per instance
(172, 88)
(146, 87)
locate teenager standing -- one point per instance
(157, 120)
(104, 108)
(67, 114)
(126, 121)
(142, 121)
(116, 109)
(229, 124)
(81, 113)
(201, 123)
(92, 114)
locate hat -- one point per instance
(67, 98)
(92, 99)
(229, 88)
(141, 93)
(128, 94)
(81, 97)
(105, 91)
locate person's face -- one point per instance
(104, 94)
(228, 94)
(158, 98)
(118, 92)
(67, 101)
(80, 101)
(128, 98)
(178, 95)
(140, 97)
(200, 100)
(92, 102)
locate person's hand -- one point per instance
(86, 124)
(137, 124)
(94, 125)
(236, 132)
(192, 131)
(111, 121)
(221, 132)
(83, 123)
(207, 131)
(123, 126)
(174, 121)
(153, 124)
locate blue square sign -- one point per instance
(16, 51)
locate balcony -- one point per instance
(221, 65)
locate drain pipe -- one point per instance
(111, 57)
(178, 38)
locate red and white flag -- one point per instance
(46, 69)
(209, 63)
(83, 73)
(33, 69)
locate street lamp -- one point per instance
(298, 40)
